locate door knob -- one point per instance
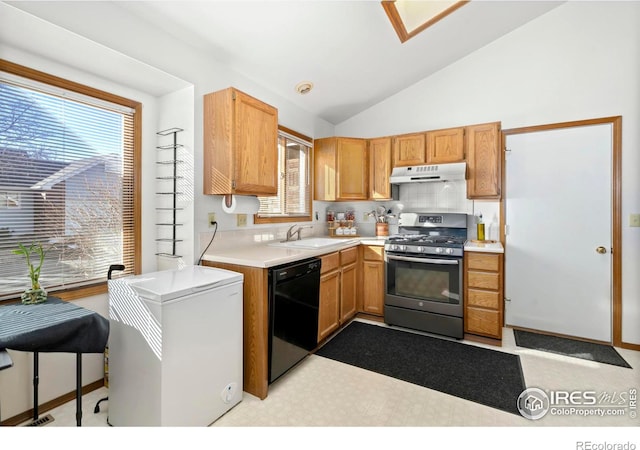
(601, 250)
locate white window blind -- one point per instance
(294, 184)
(66, 181)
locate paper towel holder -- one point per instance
(228, 199)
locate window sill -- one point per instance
(72, 294)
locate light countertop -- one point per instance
(263, 255)
(487, 247)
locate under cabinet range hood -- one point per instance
(429, 173)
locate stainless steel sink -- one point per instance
(313, 243)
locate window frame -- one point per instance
(302, 218)
(134, 232)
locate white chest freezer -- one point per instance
(175, 347)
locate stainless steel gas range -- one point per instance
(423, 273)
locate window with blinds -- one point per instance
(293, 202)
(66, 182)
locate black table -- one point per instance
(51, 327)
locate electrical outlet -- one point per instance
(211, 218)
(242, 220)
(365, 217)
(634, 220)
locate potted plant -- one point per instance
(36, 294)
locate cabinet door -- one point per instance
(329, 310)
(379, 169)
(348, 292)
(409, 150)
(445, 146)
(373, 287)
(324, 169)
(352, 173)
(255, 146)
(484, 322)
(484, 161)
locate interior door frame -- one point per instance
(616, 205)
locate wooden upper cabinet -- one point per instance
(240, 144)
(340, 169)
(379, 169)
(409, 150)
(445, 146)
(324, 169)
(484, 163)
(352, 169)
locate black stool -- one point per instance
(112, 267)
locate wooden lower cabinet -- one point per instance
(484, 306)
(329, 308)
(348, 292)
(338, 290)
(373, 279)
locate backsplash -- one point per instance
(256, 235)
(450, 196)
(419, 197)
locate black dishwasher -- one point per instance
(293, 314)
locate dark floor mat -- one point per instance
(484, 376)
(570, 347)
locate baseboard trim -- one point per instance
(629, 346)
(51, 404)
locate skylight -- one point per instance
(410, 17)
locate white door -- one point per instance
(558, 214)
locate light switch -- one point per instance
(242, 220)
(634, 220)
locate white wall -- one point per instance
(579, 61)
(175, 110)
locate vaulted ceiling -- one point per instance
(349, 50)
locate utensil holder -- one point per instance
(382, 229)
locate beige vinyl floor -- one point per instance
(320, 392)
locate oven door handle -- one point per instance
(450, 262)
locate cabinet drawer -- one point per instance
(483, 280)
(330, 261)
(348, 256)
(373, 253)
(483, 261)
(484, 322)
(483, 299)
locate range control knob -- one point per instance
(439, 250)
(420, 249)
(450, 251)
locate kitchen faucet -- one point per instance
(291, 232)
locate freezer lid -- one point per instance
(167, 285)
